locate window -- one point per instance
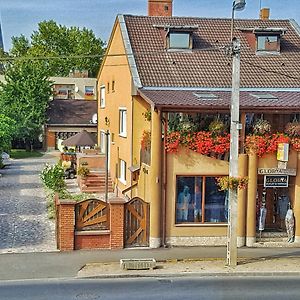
(267, 43)
(108, 88)
(64, 91)
(89, 91)
(122, 171)
(102, 96)
(198, 200)
(179, 40)
(122, 122)
(102, 141)
(113, 86)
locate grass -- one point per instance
(20, 153)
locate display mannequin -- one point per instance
(290, 224)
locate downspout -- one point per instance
(164, 175)
(132, 137)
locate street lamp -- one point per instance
(234, 140)
(237, 5)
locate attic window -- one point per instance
(206, 96)
(268, 43)
(268, 39)
(264, 96)
(179, 40)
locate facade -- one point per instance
(165, 102)
(69, 112)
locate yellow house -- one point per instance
(164, 103)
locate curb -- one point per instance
(180, 275)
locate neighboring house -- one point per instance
(80, 88)
(68, 117)
(69, 112)
(166, 78)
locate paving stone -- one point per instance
(24, 223)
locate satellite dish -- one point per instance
(94, 119)
(76, 89)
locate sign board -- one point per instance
(276, 181)
(276, 171)
(283, 152)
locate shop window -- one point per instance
(122, 122)
(198, 200)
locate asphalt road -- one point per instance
(211, 288)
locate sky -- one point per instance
(22, 16)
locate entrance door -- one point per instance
(273, 222)
(136, 223)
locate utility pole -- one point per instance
(106, 163)
(234, 152)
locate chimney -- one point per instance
(264, 14)
(160, 8)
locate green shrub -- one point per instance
(53, 177)
(83, 171)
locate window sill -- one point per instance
(123, 135)
(202, 225)
(122, 181)
(102, 107)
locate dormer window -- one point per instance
(268, 43)
(180, 40)
(178, 37)
(268, 39)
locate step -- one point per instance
(94, 190)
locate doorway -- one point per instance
(274, 216)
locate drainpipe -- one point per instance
(164, 175)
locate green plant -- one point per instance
(292, 129)
(232, 183)
(83, 171)
(217, 127)
(53, 177)
(146, 140)
(147, 115)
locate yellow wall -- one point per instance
(191, 163)
(116, 68)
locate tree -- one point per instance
(24, 98)
(53, 40)
(7, 129)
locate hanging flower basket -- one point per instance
(292, 129)
(232, 183)
(261, 127)
(217, 127)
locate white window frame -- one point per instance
(123, 121)
(102, 96)
(122, 171)
(102, 141)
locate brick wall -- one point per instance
(88, 240)
(68, 239)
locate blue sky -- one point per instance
(22, 16)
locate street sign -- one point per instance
(276, 171)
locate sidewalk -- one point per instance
(206, 267)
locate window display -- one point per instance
(199, 200)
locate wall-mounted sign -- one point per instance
(283, 152)
(276, 181)
(276, 171)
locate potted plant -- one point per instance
(261, 127)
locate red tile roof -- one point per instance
(71, 112)
(207, 65)
(193, 99)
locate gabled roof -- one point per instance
(208, 66)
(71, 112)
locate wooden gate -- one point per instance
(136, 223)
(91, 214)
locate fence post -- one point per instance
(117, 222)
(66, 224)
